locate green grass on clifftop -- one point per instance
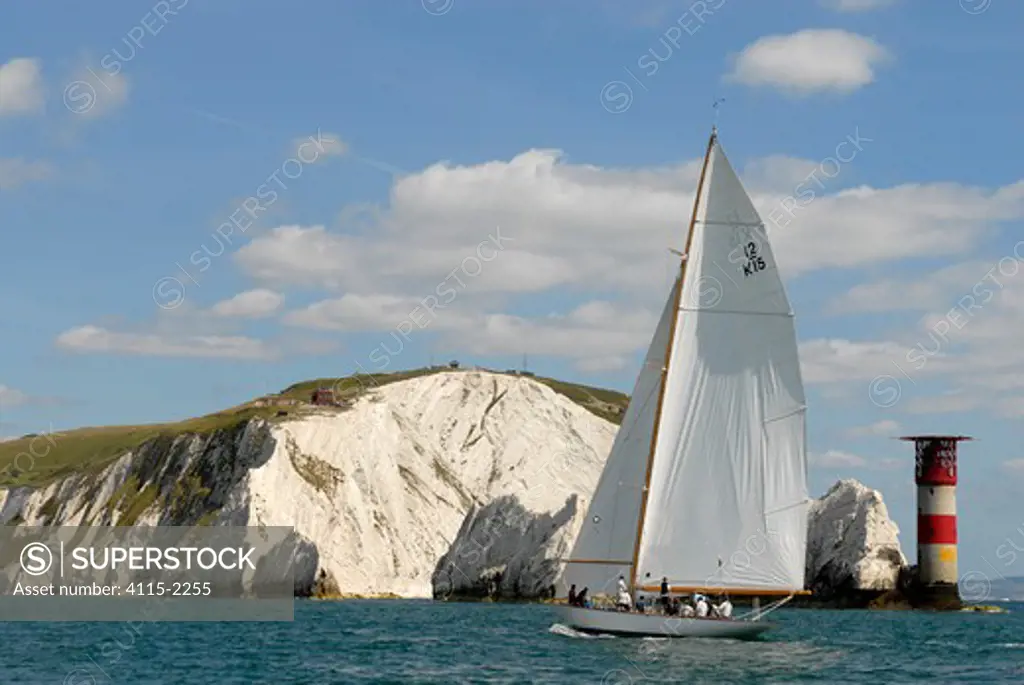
(38, 460)
(41, 459)
(608, 404)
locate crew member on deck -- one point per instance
(701, 607)
(572, 595)
(624, 602)
(673, 607)
(664, 594)
(725, 608)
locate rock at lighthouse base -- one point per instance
(937, 597)
(853, 549)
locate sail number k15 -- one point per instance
(755, 262)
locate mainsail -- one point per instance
(724, 464)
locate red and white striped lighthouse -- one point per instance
(935, 476)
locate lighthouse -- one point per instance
(935, 475)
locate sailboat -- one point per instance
(706, 482)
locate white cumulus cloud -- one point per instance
(836, 459)
(252, 304)
(94, 94)
(810, 60)
(97, 339)
(21, 86)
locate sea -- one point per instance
(412, 642)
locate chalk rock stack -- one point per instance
(853, 548)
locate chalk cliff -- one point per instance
(380, 489)
(852, 545)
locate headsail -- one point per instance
(607, 539)
(727, 500)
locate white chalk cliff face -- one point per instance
(456, 483)
(381, 490)
(410, 462)
(852, 544)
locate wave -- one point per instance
(566, 631)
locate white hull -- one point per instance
(655, 625)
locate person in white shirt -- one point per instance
(725, 608)
(686, 611)
(702, 607)
(625, 601)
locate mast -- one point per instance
(668, 356)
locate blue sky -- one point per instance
(446, 131)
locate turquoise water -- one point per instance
(424, 642)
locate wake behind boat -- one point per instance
(706, 483)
